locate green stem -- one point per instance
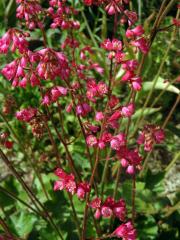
(89, 29)
(176, 157)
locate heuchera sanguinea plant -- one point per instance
(89, 95)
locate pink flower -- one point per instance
(136, 83)
(127, 76)
(109, 208)
(95, 203)
(97, 214)
(99, 116)
(119, 209)
(26, 114)
(83, 109)
(52, 64)
(125, 231)
(82, 189)
(118, 141)
(114, 45)
(176, 22)
(142, 44)
(91, 140)
(9, 71)
(66, 181)
(130, 170)
(128, 111)
(106, 211)
(102, 88)
(135, 32)
(130, 65)
(130, 159)
(57, 92)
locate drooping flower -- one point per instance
(14, 39)
(126, 231)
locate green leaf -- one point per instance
(147, 111)
(161, 85)
(147, 228)
(127, 191)
(23, 223)
(155, 181)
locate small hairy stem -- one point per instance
(133, 197)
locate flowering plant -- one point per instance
(81, 108)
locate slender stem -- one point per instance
(89, 29)
(10, 194)
(76, 221)
(176, 157)
(32, 196)
(115, 192)
(69, 157)
(162, 92)
(171, 112)
(133, 197)
(53, 143)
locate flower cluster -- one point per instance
(67, 182)
(109, 208)
(14, 39)
(61, 15)
(95, 90)
(30, 10)
(45, 64)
